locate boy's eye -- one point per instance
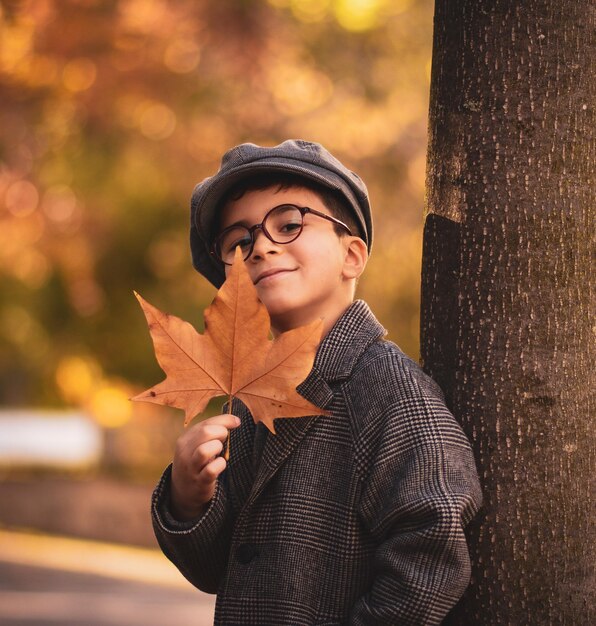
(235, 240)
(284, 222)
(242, 243)
(289, 227)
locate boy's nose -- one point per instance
(262, 245)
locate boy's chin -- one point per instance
(283, 316)
(281, 321)
(274, 303)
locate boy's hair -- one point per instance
(334, 202)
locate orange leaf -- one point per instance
(234, 357)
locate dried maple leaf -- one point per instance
(234, 357)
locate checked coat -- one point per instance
(353, 518)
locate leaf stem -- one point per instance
(227, 450)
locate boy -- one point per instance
(352, 518)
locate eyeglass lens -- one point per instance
(281, 225)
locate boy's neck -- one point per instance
(329, 314)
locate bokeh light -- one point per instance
(21, 198)
(110, 406)
(79, 74)
(76, 377)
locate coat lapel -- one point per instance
(241, 466)
(290, 431)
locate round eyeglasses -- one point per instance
(282, 224)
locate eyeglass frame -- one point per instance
(251, 230)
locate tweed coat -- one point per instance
(352, 518)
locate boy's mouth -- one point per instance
(271, 272)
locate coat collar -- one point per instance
(351, 335)
(336, 357)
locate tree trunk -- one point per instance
(507, 306)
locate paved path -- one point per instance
(49, 581)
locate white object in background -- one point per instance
(55, 438)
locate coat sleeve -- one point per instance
(420, 491)
(199, 549)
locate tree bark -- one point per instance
(507, 303)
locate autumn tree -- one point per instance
(507, 303)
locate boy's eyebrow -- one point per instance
(244, 223)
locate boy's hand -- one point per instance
(197, 465)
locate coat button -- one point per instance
(246, 552)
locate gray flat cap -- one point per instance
(303, 158)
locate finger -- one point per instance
(212, 470)
(227, 419)
(206, 452)
(212, 431)
(213, 428)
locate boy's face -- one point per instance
(305, 279)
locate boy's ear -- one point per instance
(356, 256)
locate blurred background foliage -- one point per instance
(111, 111)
